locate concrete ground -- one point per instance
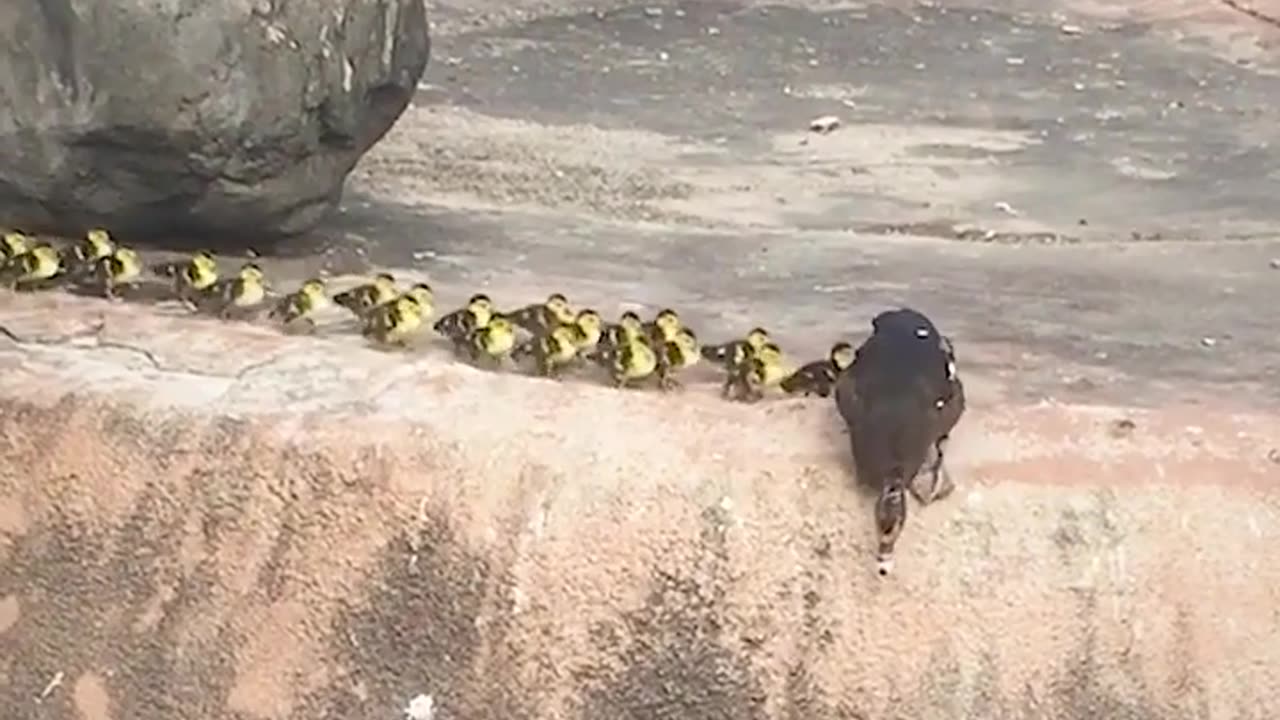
(220, 521)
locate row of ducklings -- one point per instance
(554, 337)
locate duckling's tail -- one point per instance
(166, 269)
(715, 353)
(347, 299)
(523, 350)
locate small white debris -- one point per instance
(1208, 342)
(1006, 208)
(1071, 30)
(824, 124)
(421, 707)
(726, 503)
(1015, 61)
(54, 684)
(663, 56)
(653, 11)
(1275, 263)
(713, 31)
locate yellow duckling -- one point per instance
(553, 311)
(193, 278)
(587, 328)
(33, 269)
(551, 350)
(360, 299)
(12, 244)
(242, 294)
(664, 326)
(394, 323)
(83, 256)
(458, 325)
(628, 328)
(819, 376)
(494, 341)
(678, 353)
(630, 362)
(298, 308)
(121, 268)
(764, 369)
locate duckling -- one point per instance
(360, 299)
(82, 257)
(458, 325)
(664, 326)
(242, 294)
(628, 362)
(628, 328)
(730, 354)
(551, 350)
(678, 353)
(819, 376)
(586, 329)
(192, 278)
(122, 267)
(33, 269)
(297, 308)
(12, 244)
(547, 314)
(393, 323)
(763, 369)
(494, 341)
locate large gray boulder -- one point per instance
(235, 120)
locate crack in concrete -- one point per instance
(95, 331)
(1251, 12)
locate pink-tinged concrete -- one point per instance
(227, 522)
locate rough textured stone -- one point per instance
(263, 526)
(238, 120)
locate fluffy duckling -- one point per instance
(551, 312)
(33, 269)
(362, 298)
(819, 376)
(628, 328)
(764, 368)
(193, 278)
(120, 268)
(12, 244)
(729, 355)
(628, 362)
(458, 325)
(242, 294)
(298, 308)
(586, 329)
(489, 344)
(678, 353)
(664, 326)
(393, 323)
(83, 257)
(551, 350)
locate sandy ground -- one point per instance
(1082, 194)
